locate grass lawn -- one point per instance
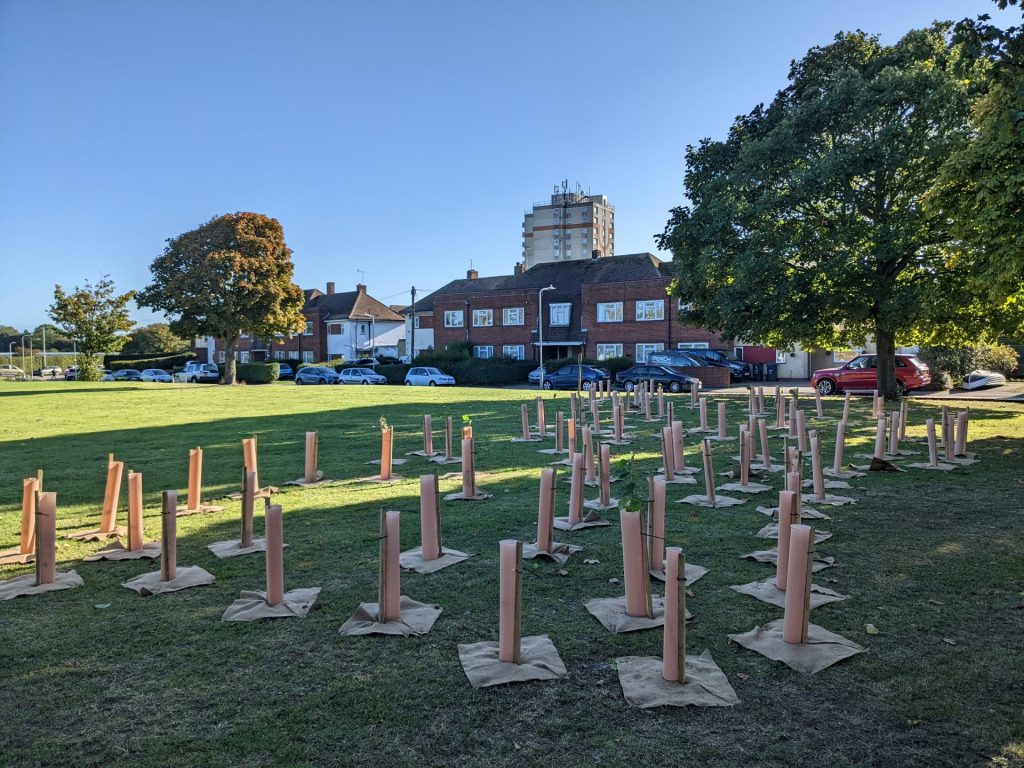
(99, 676)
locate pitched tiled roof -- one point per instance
(348, 303)
(465, 285)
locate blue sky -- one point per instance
(402, 139)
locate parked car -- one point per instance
(573, 376)
(861, 374)
(980, 379)
(49, 372)
(678, 358)
(9, 371)
(126, 374)
(285, 372)
(198, 372)
(315, 374)
(389, 360)
(669, 378)
(534, 377)
(71, 373)
(361, 376)
(156, 374)
(737, 368)
(421, 376)
(362, 362)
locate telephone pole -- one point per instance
(412, 326)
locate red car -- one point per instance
(861, 373)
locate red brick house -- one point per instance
(615, 306)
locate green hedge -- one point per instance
(395, 374)
(141, 362)
(258, 373)
(613, 364)
(470, 373)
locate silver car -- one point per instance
(361, 376)
(155, 374)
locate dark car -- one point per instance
(737, 368)
(316, 374)
(677, 358)
(573, 376)
(127, 374)
(669, 378)
(285, 372)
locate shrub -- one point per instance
(998, 357)
(955, 362)
(395, 374)
(141, 362)
(450, 353)
(495, 372)
(258, 373)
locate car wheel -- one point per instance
(408, 383)
(193, 380)
(298, 382)
(366, 382)
(675, 386)
(901, 388)
(547, 385)
(826, 387)
(586, 386)
(629, 386)
(432, 383)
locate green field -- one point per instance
(99, 676)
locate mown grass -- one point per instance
(931, 559)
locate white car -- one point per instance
(428, 377)
(155, 374)
(11, 371)
(361, 376)
(980, 379)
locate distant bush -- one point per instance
(954, 362)
(998, 357)
(258, 373)
(395, 374)
(450, 353)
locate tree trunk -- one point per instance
(230, 346)
(886, 361)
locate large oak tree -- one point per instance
(233, 275)
(807, 224)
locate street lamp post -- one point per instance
(540, 329)
(23, 373)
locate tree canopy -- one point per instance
(807, 224)
(94, 316)
(154, 339)
(232, 275)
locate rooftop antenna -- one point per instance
(362, 276)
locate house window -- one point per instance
(693, 345)
(309, 328)
(279, 354)
(606, 351)
(840, 355)
(650, 310)
(781, 357)
(483, 318)
(245, 356)
(609, 312)
(513, 316)
(307, 356)
(515, 351)
(684, 306)
(560, 314)
(484, 352)
(453, 318)
(643, 350)
(221, 357)
(416, 323)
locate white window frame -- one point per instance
(221, 357)
(782, 357)
(308, 330)
(693, 345)
(454, 318)
(609, 312)
(483, 318)
(245, 356)
(515, 351)
(645, 349)
(279, 354)
(556, 310)
(650, 310)
(416, 322)
(513, 316)
(606, 351)
(307, 356)
(483, 351)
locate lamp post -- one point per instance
(25, 336)
(540, 329)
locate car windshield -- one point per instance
(432, 372)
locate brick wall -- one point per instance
(292, 347)
(710, 376)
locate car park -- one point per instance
(667, 377)
(584, 377)
(8, 371)
(737, 368)
(425, 376)
(156, 374)
(861, 375)
(316, 374)
(360, 376)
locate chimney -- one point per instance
(360, 288)
(519, 268)
(330, 288)
(472, 274)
